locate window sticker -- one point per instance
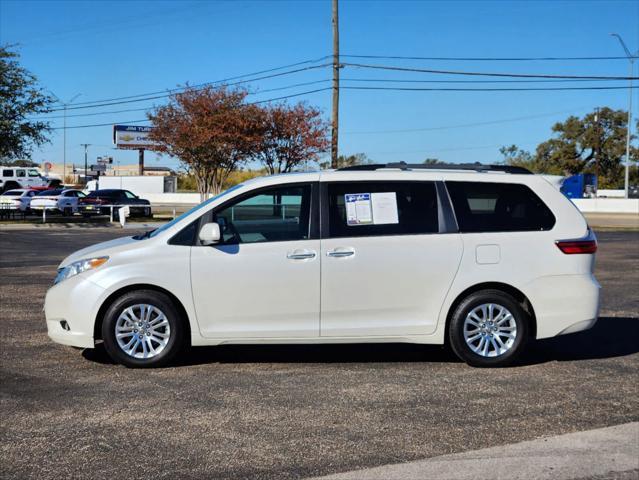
(358, 209)
(384, 208)
(378, 208)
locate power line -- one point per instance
(483, 59)
(147, 120)
(167, 92)
(394, 80)
(194, 88)
(465, 125)
(528, 89)
(484, 74)
(146, 109)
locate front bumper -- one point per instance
(70, 308)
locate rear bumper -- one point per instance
(94, 210)
(564, 303)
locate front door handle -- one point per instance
(341, 252)
(300, 255)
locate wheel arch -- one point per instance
(504, 287)
(10, 185)
(97, 325)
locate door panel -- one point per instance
(389, 285)
(256, 290)
(263, 280)
(388, 277)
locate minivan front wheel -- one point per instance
(488, 328)
(142, 329)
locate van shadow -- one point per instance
(610, 337)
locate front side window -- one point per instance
(33, 173)
(128, 194)
(276, 214)
(498, 207)
(362, 209)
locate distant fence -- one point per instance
(607, 205)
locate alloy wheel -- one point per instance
(142, 331)
(490, 330)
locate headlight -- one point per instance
(79, 267)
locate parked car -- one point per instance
(99, 202)
(13, 178)
(60, 200)
(18, 199)
(483, 261)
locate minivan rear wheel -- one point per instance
(489, 328)
(142, 328)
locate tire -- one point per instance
(10, 186)
(67, 211)
(485, 339)
(139, 354)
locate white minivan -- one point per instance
(483, 258)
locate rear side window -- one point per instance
(498, 207)
(410, 208)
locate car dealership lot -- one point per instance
(290, 411)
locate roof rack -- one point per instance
(477, 167)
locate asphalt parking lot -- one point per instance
(290, 411)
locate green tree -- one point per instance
(20, 98)
(595, 143)
(348, 161)
(433, 161)
(515, 156)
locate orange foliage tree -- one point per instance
(211, 130)
(292, 136)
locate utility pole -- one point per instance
(86, 146)
(336, 66)
(631, 59)
(597, 147)
(141, 161)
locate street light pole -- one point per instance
(86, 146)
(64, 137)
(631, 59)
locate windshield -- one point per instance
(102, 193)
(193, 210)
(52, 193)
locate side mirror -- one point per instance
(210, 233)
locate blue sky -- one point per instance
(108, 49)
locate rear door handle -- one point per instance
(300, 255)
(341, 252)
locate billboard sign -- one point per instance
(132, 137)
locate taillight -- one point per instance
(588, 244)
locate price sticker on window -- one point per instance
(359, 210)
(378, 208)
